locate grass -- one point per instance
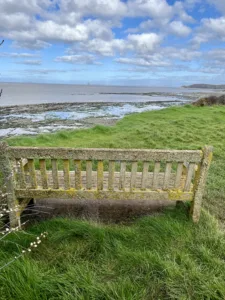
(185, 127)
(160, 257)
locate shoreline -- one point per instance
(33, 119)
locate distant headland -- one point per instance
(205, 86)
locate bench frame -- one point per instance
(193, 163)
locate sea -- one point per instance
(29, 108)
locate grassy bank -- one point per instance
(174, 128)
(160, 257)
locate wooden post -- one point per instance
(200, 181)
(9, 184)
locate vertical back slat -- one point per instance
(78, 182)
(44, 178)
(100, 175)
(156, 175)
(166, 180)
(190, 173)
(122, 175)
(89, 174)
(21, 174)
(178, 175)
(133, 175)
(144, 175)
(55, 177)
(111, 175)
(32, 173)
(66, 171)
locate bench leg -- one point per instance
(200, 184)
(14, 214)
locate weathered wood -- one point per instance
(105, 195)
(78, 182)
(200, 183)
(8, 183)
(189, 177)
(20, 174)
(44, 178)
(66, 171)
(156, 175)
(89, 174)
(107, 154)
(31, 168)
(144, 175)
(122, 175)
(129, 185)
(55, 174)
(133, 175)
(167, 175)
(100, 175)
(111, 175)
(178, 175)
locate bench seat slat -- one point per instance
(100, 175)
(111, 175)
(89, 174)
(44, 177)
(190, 174)
(144, 175)
(78, 182)
(55, 174)
(133, 175)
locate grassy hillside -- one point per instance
(160, 257)
(172, 128)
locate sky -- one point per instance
(113, 42)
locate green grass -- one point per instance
(161, 257)
(156, 257)
(185, 127)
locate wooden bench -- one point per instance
(103, 174)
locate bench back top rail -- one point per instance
(106, 154)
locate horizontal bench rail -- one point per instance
(194, 156)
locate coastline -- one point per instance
(104, 107)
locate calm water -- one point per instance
(22, 94)
(79, 106)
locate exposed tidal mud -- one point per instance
(50, 117)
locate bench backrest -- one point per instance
(108, 173)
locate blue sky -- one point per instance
(113, 42)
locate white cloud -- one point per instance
(53, 31)
(182, 54)
(136, 43)
(216, 26)
(32, 44)
(219, 4)
(152, 61)
(48, 71)
(78, 59)
(151, 8)
(102, 8)
(179, 9)
(210, 29)
(145, 42)
(105, 48)
(17, 55)
(178, 28)
(30, 62)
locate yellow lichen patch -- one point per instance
(177, 195)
